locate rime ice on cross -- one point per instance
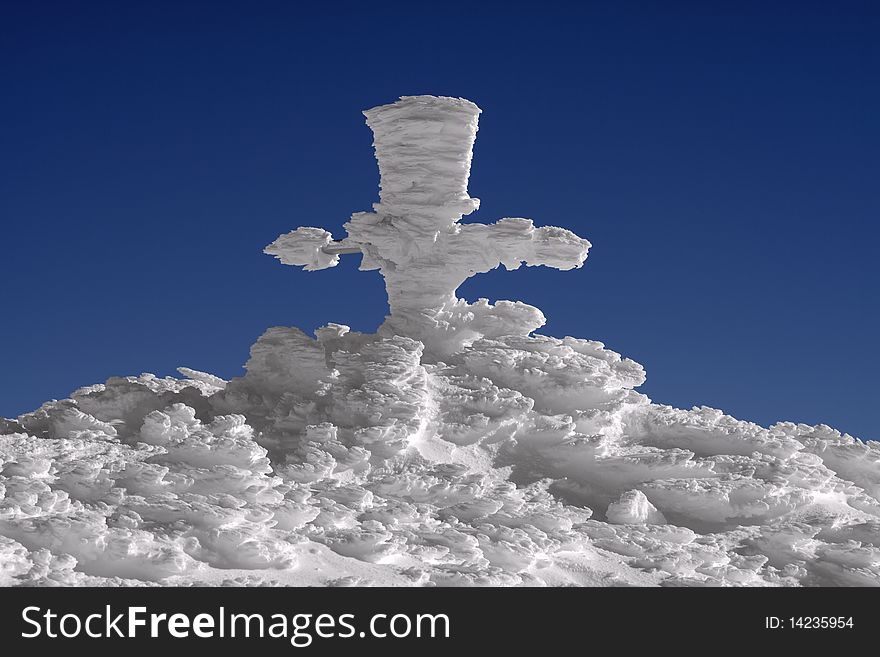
(424, 146)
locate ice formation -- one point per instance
(453, 447)
(413, 237)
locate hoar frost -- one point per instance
(453, 447)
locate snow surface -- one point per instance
(452, 447)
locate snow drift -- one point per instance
(453, 447)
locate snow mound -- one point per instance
(453, 447)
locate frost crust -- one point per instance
(453, 447)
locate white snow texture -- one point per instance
(452, 447)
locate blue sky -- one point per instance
(723, 158)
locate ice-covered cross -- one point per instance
(424, 146)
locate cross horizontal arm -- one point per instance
(310, 248)
(339, 247)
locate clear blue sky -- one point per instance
(723, 158)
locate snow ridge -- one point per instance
(453, 447)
